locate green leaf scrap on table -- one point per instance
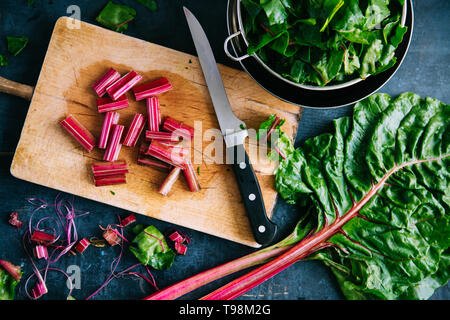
(150, 248)
(8, 284)
(150, 4)
(3, 60)
(116, 16)
(378, 187)
(16, 44)
(324, 41)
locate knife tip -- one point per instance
(186, 11)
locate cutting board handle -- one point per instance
(16, 89)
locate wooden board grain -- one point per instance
(48, 156)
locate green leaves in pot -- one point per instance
(318, 42)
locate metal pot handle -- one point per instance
(225, 48)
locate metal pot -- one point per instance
(236, 20)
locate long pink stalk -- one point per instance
(181, 288)
(169, 181)
(79, 132)
(152, 88)
(178, 127)
(154, 113)
(111, 118)
(102, 168)
(135, 130)
(106, 80)
(107, 104)
(128, 81)
(191, 176)
(112, 152)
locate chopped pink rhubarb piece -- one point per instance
(42, 237)
(135, 130)
(14, 220)
(112, 152)
(111, 118)
(152, 88)
(39, 290)
(154, 113)
(107, 104)
(40, 252)
(161, 136)
(110, 180)
(103, 168)
(178, 127)
(82, 245)
(107, 79)
(111, 236)
(163, 153)
(191, 176)
(169, 181)
(176, 237)
(128, 220)
(180, 248)
(128, 81)
(79, 132)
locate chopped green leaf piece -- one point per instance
(7, 285)
(3, 61)
(150, 4)
(198, 170)
(112, 192)
(116, 16)
(150, 248)
(16, 44)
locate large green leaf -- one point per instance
(376, 193)
(282, 31)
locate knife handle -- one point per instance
(263, 229)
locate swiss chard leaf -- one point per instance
(150, 248)
(150, 4)
(116, 16)
(377, 190)
(16, 44)
(281, 32)
(8, 283)
(3, 60)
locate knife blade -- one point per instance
(234, 133)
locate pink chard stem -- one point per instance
(128, 81)
(154, 113)
(161, 136)
(107, 79)
(134, 131)
(111, 118)
(108, 104)
(102, 168)
(152, 88)
(178, 127)
(191, 177)
(79, 132)
(164, 153)
(169, 181)
(112, 152)
(153, 163)
(110, 180)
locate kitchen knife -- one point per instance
(234, 133)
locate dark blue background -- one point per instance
(425, 71)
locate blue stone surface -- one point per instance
(425, 71)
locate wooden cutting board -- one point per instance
(48, 156)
